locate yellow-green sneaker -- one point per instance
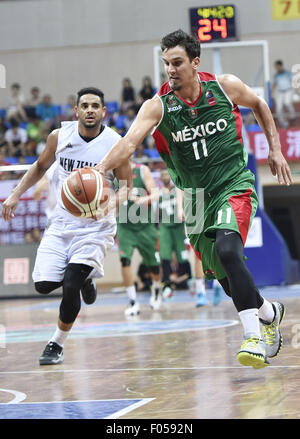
(253, 352)
(271, 333)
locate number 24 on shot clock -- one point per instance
(213, 23)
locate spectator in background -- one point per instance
(28, 238)
(42, 144)
(284, 94)
(127, 95)
(16, 138)
(251, 123)
(34, 131)
(130, 116)
(124, 121)
(4, 175)
(16, 175)
(2, 133)
(15, 108)
(33, 102)
(147, 91)
(48, 112)
(140, 156)
(68, 111)
(36, 234)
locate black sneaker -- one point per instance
(53, 354)
(89, 291)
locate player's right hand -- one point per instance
(9, 207)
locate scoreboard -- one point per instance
(213, 23)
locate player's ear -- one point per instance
(196, 62)
(104, 114)
(76, 111)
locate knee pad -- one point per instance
(125, 262)
(75, 276)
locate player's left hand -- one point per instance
(280, 167)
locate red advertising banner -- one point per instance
(289, 140)
(29, 215)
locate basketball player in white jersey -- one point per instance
(72, 249)
(48, 185)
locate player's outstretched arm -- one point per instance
(241, 94)
(32, 176)
(151, 188)
(147, 118)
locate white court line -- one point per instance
(115, 415)
(158, 369)
(78, 402)
(129, 408)
(19, 396)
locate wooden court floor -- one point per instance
(175, 363)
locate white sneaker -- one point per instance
(132, 310)
(271, 332)
(167, 292)
(155, 301)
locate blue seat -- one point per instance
(119, 124)
(2, 113)
(151, 153)
(12, 160)
(112, 107)
(29, 159)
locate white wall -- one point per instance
(61, 45)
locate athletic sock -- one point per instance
(266, 311)
(131, 293)
(156, 288)
(59, 336)
(250, 321)
(200, 285)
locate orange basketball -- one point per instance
(84, 191)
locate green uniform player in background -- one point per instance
(171, 235)
(136, 230)
(196, 124)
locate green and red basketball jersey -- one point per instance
(201, 142)
(136, 216)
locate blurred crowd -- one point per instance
(26, 122)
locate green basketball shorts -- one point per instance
(145, 240)
(171, 239)
(233, 209)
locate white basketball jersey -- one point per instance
(73, 152)
(51, 200)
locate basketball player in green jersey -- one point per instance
(136, 230)
(171, 234)
(196, 124)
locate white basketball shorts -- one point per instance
(74, 242)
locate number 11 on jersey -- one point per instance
(196, 151)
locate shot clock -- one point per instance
(213, 23)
